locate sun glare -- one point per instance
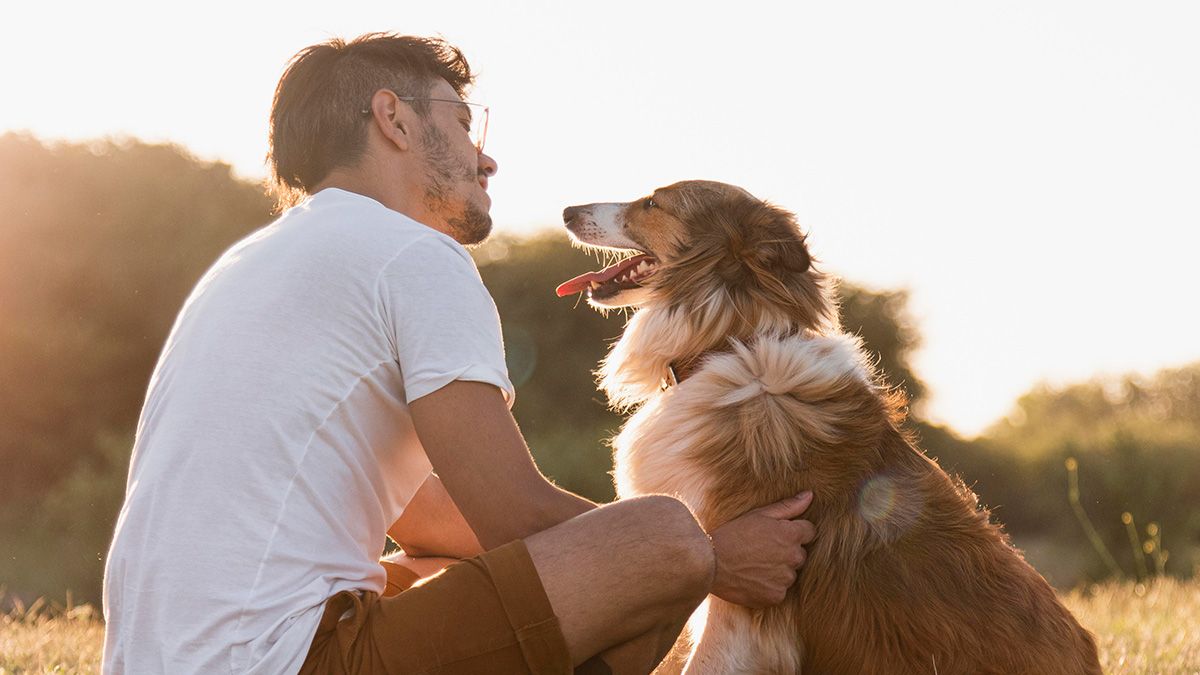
(1027, 171)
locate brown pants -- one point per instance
(488, 614)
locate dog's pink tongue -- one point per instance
(581, 282)
(577, 285)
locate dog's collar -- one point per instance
(670, 379)
(679, 370)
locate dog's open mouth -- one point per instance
(629, 273)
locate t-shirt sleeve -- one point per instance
(441, 320)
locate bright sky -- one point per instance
(1030, 170)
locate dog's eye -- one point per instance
(650, 203)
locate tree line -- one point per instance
(100, 243)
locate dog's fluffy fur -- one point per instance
(907, 574)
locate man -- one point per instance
(339, 374)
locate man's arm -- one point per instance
(475, 447)
(432, 525)
(477, 450)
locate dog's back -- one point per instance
(907, 575)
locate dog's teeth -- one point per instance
(595, 285)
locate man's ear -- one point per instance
(394, 119)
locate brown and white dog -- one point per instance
(746, 392)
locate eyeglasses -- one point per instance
(475, 124)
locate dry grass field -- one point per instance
(1151, 629)
(1143, 629)
(42, 639)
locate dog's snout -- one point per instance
(571, 212)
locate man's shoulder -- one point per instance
(351, 219)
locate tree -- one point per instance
(1136, 443)
(99, 245)
(882, 320)
(552, 346)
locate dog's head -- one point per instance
(702, 247)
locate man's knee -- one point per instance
(669, 526)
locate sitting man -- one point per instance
(338, 375)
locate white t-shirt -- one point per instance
(275, 446)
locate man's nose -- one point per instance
(487, 165)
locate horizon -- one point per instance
(1026, 172)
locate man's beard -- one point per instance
(468, 223)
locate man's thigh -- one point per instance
(488, 614)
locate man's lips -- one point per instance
(629, 272)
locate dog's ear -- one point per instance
(775, 255)
(788, 254)
(776, 244)
(762, 242)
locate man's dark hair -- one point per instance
(317, 123)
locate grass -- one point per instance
(1141, 629)
(1148, 628)
(50, 639)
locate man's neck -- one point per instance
(367, 185)
(393, 196)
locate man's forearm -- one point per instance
(553, 506)
(432, 524)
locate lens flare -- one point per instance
(877, 499)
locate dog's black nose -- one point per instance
(570, 212)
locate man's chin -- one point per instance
(473, 227)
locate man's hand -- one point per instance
(758, 553)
